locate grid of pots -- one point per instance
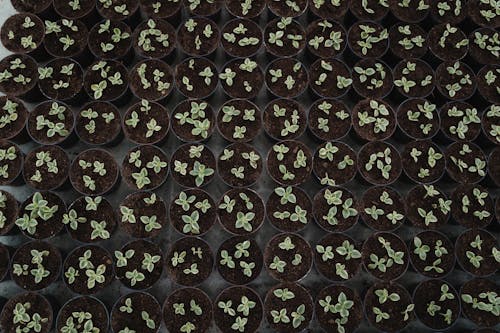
(377, 53)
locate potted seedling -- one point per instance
(94, 172)
(487, 83)
(385, 256)
(465, 162)
(190, 261)
(198, 36)
(373, 119)
(418, 118)
(241, 78)
(494, 171)
(88, 269)
(154, 38)
(11, 162)
(339, 308)
(329, 119)
(472, 206)
(151, 79)
(188, 310)
(480, 302)
(245, 9)
(61, 79)
(432, 254)
(337, 258)
(334, 163)
(203, 8)
(372, 78)
(287, 9)
(368, 39)
(329, 9)
(13, 117)
(369, 9)
(32, 6)
(40, 215)
(289, 208)
(136, 312)
(335, 209)
(106, 80)
(50, 123)
(239, 260)
(239, 165)
(382, 208)
(288, 307)
(238, 309)
(193, 212)
(72, 10)
(388, 306)
(448, 42)
(407, 41)
(22, 33)
(146, 122)
(161, 9)
(27, 312)
(145, 167)
(491, 123)
(284, 37)
(98, 123)
(330, 78)
(410, 11)
(288, 257)
(65, 38)
(484, 13)
(284, 119)
(36, 265)
(81, 313)
(241, 38)
(142, 214)
(241, 211)
(196, 77)
(19, 76)
(427, 207)
(193, 120)
(413, 78)
(193, 165)
(477, 252)
(326, 38)
(448, 11)
(460, 121)
(455, 80)
(484, 45)
(239, 120)
(379, 163)
(90, 219)
(286, 77)
(423, 161)
(117, 9)
(437, 304)
(4, 257)
(46, 168)
(9, 209)
(110, 39)
(289, 162)
(138, 265)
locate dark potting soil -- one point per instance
(46, 168)
(373, 246)
(241, 38)
(64, 79)
(426, 167)
(469, 200)
(276, 205)
(86, 304)
(439, 260)
(246, 260)
(243, 114)
(148, 162)
(337, 116)
(50, 114)
(184, 298)
(38, 304)
(460, 121)
(98, 123)
(477, 242)
(387, 199)
(335, 169)
(237, 296)
(12, 163)
(193, 201)
(417, 123)
(20, 27)
(132, 315)
(427, 207)
(9, 208)
(246, 202)
(284, 119)
(243, 156)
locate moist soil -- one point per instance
(421, 72)
(168, 9)
(51, 263)
(328, 87)
(236, 275)
(337, 127)
(413, 129)
(31, 6)
(184, 131)
(282, 9)
(74, 80)
(104, 212)
(489, 92)
(49, 180)
(84, 304)
(97, 38)
(327, 320)
(156, 48)
(56, 48)
(374, 176)
(4, 261)
(494, 167)
(251, 173)
(44, 109)
(174, 321)
(417, 198)
(483, 56)
(104, 183)
(236, 49)
(279, 88)
(323, 168)
(148, 153)
(206, 219)
(474, 11)
(203, 260)
(63, 8)
(10, 212)
(449, 16)
(14, 24)
(235, 294)
(328, 268)
(373, 246)
(105, 132)
(274, 205)
(275, 125)
(488, 265)
(205, 8)
(395, 37)
(38, 304)
(321, 209)
(412, 168)
(447, 122)
(371, 197)
(50, 227)
(15, 127)
(444, 78)
(135, 201)
(186, 39)
(301, 175)
(141, 302)
(234, 8)
(430, 291)
(138, 134)
(191, 68)
(287, 49)
(363, 88)
(228, 129)
(410, 13)
(379, 11)
(449, 52)
(12, 88)
(243, 80)
(14, 167)
(330, 11)
(151, 93)
(290, 272)
(368, 131)
(228, 220)
(317, 29)
(141, 247)
(377, 50)
(474, 288)
(110, 13)
(182, 155)
(447, 260)
(469, 158)
(469, 220)
(112, 92)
